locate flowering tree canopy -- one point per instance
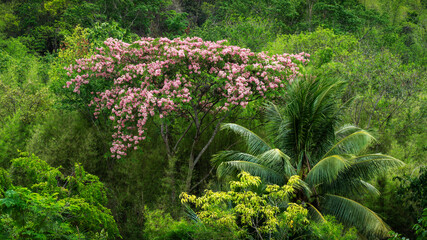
(171, 78)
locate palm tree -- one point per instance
(305, 140)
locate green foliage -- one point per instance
(405, 31)
(136, 15)
(252, 33)
(66, 138)
(7, 18)
(282, 15)
(81, 43)
(18, 67)
(33, 173)
(5, 182)
(99, 33)
(348, 16)
(323, 44)
(24, 100)
(20, 109)
(421, 227)
(40, 203)
(387, 97)
(74, 46)
(331, 229)
(397, 236)
(175, 22)
(159, 225)
(13, 134)
(378, 46)
(404, 200)
(43, 24)
(289, 16)
(242, 211)
(31, 215)
(413, 190)
(30, 105)
(386, 94)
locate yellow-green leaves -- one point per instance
(246, 181)
(242, 208)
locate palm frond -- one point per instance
(234, 167)
(255, 144)
(325, 93)
(303, 186)
(351, 181)
(352, 213)
(315, 213)
(326, 170)
(309, 118)
(346, 130)
(348, 187)
(231, 155)
(191, 214)
(278, 161)
(353, 143)
(370, 188)
(274, 115)
(368, 166)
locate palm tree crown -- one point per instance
(305, 140)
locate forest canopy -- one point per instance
(213, 119)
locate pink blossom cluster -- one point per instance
(158, 76)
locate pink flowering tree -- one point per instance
(200, 81)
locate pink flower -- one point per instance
(149, 80)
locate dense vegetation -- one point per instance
(135, 120)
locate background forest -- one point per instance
(59, 180)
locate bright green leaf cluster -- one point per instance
(243, 210)
(38, 202)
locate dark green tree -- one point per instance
(38, 202)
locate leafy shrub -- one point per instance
(41, 203)
(160, 225)
(331, 229)
(324, 45)
(66, 138)
(243, 212)
(421, 227)
(24, 100)
(252, 33)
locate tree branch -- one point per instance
(164, 133)
(213, 135)
(182, 136)
(207, 175)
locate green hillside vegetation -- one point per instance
(336, 151)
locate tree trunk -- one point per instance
(189, 174)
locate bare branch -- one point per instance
(182, 136)
(211, 122)
(203, 179)
(210, 108)
(213, 136)
(196, 118)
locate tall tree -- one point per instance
(199, 82)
